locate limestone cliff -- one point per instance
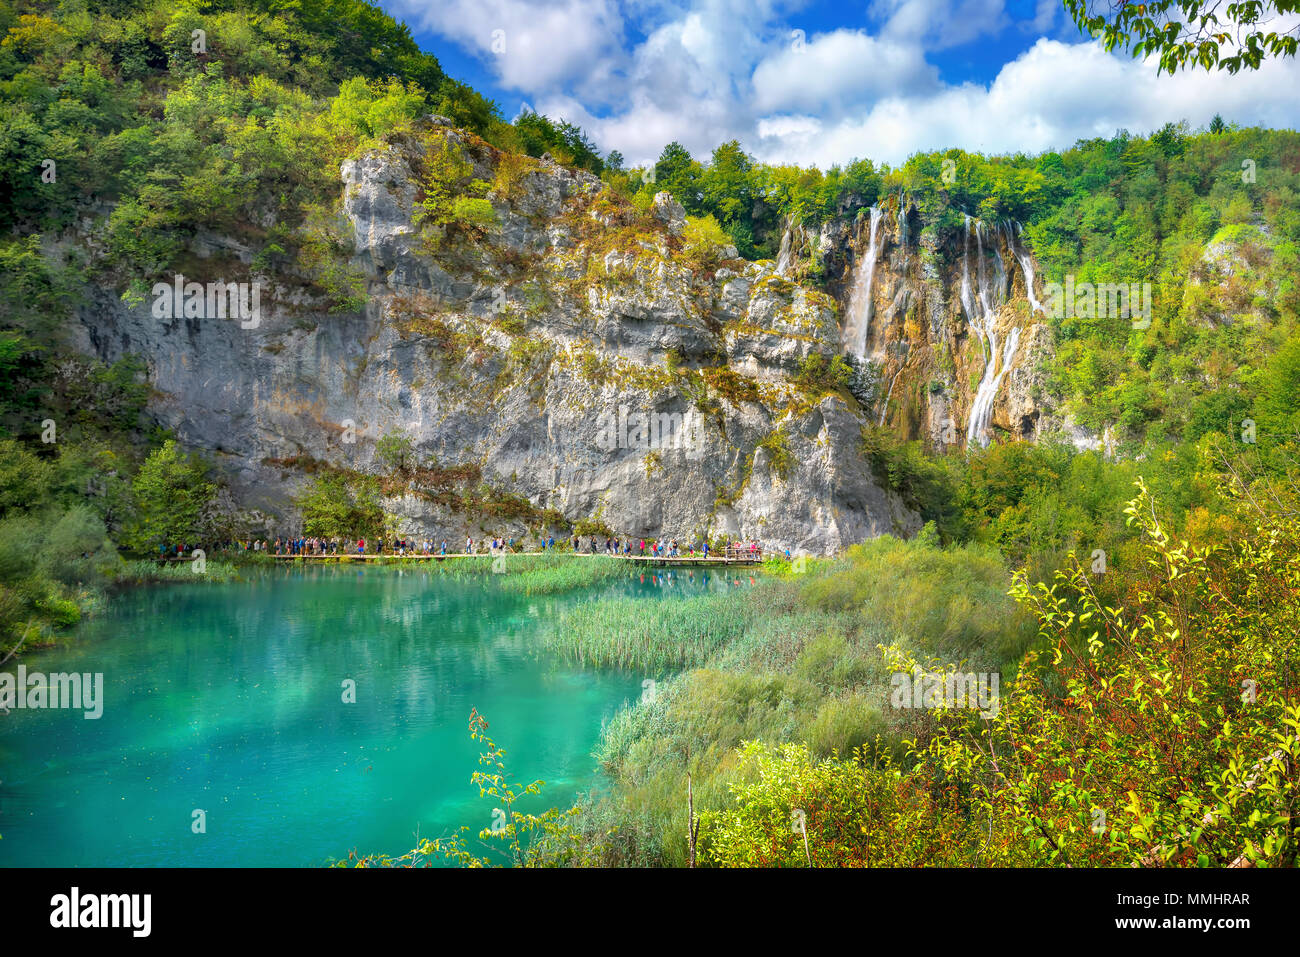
(577, 357)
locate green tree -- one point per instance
(677, 173)
(792, 811)
(24, 478)
(338, 506)
(1190, 33)
(1277, 409)
(395, 451)
(1164, 733)
(566, 142)
(728, 186)
(172, 491)
(819, 373)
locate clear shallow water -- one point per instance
(228, 698)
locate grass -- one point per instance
(551, 574)
(546, 574)
(146, 572)
(652, 636)
(795, 658)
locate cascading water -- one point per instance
(1026, 265)
(858, 326)
(884, 409)
(967, 297)
(981, 409)
(981, 307)
(990, 295)
(783, 257)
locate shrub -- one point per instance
(819, 374)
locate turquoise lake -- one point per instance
(229, 698)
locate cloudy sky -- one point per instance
(821, 82)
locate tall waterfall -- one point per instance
(981, 409)
(967, 297)
(981, 307)
(858, 325)
(785, 256)
(1026, 264)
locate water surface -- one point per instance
(228, 698)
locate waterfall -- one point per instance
(884, 409)
(785, 257)
(858, 325)
(1026, 265)
(982, 320)
(991, 295)
(967, 297)
(981, 409)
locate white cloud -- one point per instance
(836, 70)
(938, 24)
(1046, 14)
(534, 45)
(1050, 96)
(722, 69)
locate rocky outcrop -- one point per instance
(579, 358)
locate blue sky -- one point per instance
(820, 82)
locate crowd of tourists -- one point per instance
(402, 545)
(661, 548)
(358, 546)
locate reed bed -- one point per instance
(145, 572)
(652, 636)
(550, 574)
(793, 658)
(546, 574)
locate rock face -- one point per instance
(577, 357)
